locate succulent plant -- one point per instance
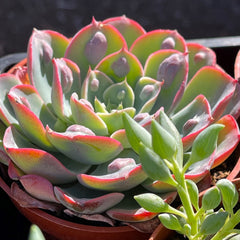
(62, 129)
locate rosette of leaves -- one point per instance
(63, 135)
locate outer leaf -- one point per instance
(42, 47)
(199, 56)
(86, 201)
(215, 85)
(156, 40)
(7, 81)
(126, 177)
(129, 28)
(92, 43)
(35, 233)
(192, 119)
(32, 114)
(228, 139)
(38, 187)
(84, 148)
(120, 65)
(66, 80)
(193, 193)
(171, 68)
(38, 162)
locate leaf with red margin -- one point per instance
(199, 56)
(86, 201)
(128, 210)
(192, 119)
(129, 28)
(84, 148)
(66, 81)
(216, 85)
(126, 177)
(120, 65)
(156, 40)
(228, 139)
(38, 187)
(42, 47)
(7, 81)
(84, 114)
(58, 170)
(170, 67)
(32, 114)
(92, 43)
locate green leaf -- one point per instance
(151, 202)
(229, 194)
(169, 126)
(211, 199)
(136, 133)
(164, 144)
(193, 193)
(154, 166)
(205, 143)
(35, 233)
(170, 221)
(213, 223)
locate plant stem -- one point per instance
(185, 199)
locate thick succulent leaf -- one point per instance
(42, 47)
(38, 187)
(195, 173)
(129, 28)
(199, 56)
(27, 201)
(7, 81)
(92, 43)
(119, 95)
(94, 85)
(31, 160)
(32, 114)
(171, 68)
(128, 210)
(66, 81)
(217, 86)
(123, 174)
(83, 114)
(162, 118)
(192, 119)
(156, 40)
(146, 93)
(113, 120)
(228, 139)
(86, 201)
(84, 147)
(120, 65)
(237, 66)
(120, 135)
(136, 133)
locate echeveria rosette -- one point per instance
(64, 131)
